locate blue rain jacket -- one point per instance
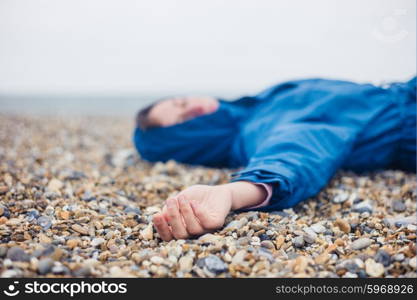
(296, 135)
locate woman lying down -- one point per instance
(290, 140)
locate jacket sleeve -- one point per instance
(298, 159)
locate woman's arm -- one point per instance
(246, 194)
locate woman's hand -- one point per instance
(202, 208)
(194, 211)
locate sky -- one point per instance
(109, 47)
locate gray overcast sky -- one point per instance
(233, 46)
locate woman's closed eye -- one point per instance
(180, 102)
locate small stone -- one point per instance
(373, 268)
(44, 222)
(64, 214)
(147, 233)
(13, 222)
(72, 243)
(157, 260)
(185, 264)
(209, 238)
(383, 257)
(3, 251)
(322, 258)
(340, 198)
(32, 214)
(55, 185)
(413, 263)
(268, 244)
(343, 225)
(298, 241)
(280, 241)
(399, 206)
(17, 254)
(300, 264)
(309, 235)
(43, 238)
(82, 272)
(131, 209)
(60, 269)
(80, 229)
(236, 224)
(412, 227)
(363, 206)
(97, 242)
(400, 221)
(123, 158)
(3, 190)
(45, 265)
(265, 253)
(239, 257)
(361, 243)
(318, 228)
(213, 263)
(399, 257)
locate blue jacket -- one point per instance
(296, 135)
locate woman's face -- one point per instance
(180, 109)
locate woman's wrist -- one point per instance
(246, 194)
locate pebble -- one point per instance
(399, 221)
(340, 198)
(412, 227)
(239, 257)
(157, 260)
(80, 229)
(383, 257)
(268, 244)
(309, 235)
(3, 251)
(4, 211)
(213, 263)
(318, 228)
(373, 268)
(17, 254)
(209, 238)
(364, 206)
(298, 241)
(55, 185)
(413, 263)
(44, 222)
(399, 206)
(3, 190)
(132, 209)
(185, 264)
(343, 225)
(361, 243)
(45, 265)
(398, 257)
(237, 224)
(147, 233)
(32, 215)
(82, 272)
(97, 242)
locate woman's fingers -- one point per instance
(192, 224)
(162, 227)
(175, 219)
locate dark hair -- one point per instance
(142, 120)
